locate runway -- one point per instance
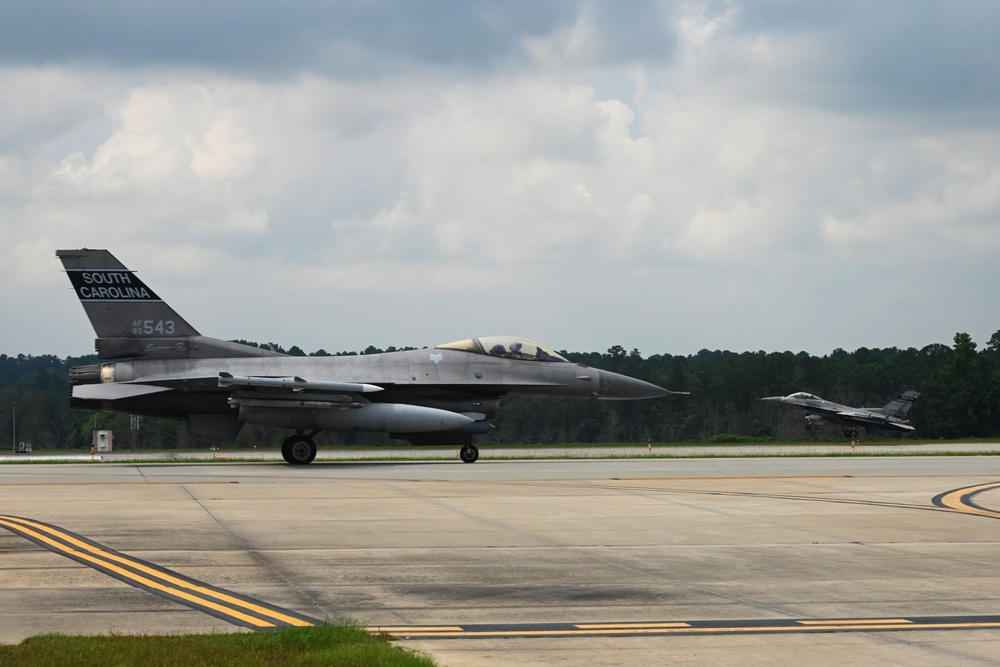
(856, 561)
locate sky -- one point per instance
(664, 176)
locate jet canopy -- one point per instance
(508, 347)
(805, 396)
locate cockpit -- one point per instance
(508, 347)
(805, 396)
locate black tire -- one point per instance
(298, 450)
(469, 454)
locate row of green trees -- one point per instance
(959, 385)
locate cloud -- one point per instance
(352, 40)
(950, 200)
(687, 175)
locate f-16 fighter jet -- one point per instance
(155, 363)
(892, 417)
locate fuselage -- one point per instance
(431, 376)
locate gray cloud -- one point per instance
(891, 57)
(661, 175)
(353, 38)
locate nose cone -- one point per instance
(774, 399)
(617, 387)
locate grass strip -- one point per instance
(337, 645)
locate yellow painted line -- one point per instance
(954, 500)
(748, 629)
(414, 628)
(856, 622)
(135, 483)
(628, 626)
(140, 579)
(85, 550)
(737, 478)
(605, 485)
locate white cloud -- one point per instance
(575, 45)
(734, 169)
(948, 200)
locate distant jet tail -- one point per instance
(130, 320)
(900, 405)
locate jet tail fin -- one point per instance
(899, 406)
(130, 319)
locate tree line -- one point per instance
(959, 389)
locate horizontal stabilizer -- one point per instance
(113, 391)
(294, 384)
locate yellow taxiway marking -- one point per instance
(199, 595)
(857, 622)
(957, 501)
(128, 483)
(389, 629)
(628, 626)
(685, 629)
(960, 500)
(737, 478)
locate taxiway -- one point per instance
(779, 561)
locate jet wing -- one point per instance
(113, 391)
(294, 392)
(296, 384)
(331, 405)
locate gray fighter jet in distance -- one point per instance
(892, 417)
(154, 363)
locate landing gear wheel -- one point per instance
(298, 450)
(469, 454)
(851, 433)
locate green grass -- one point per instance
(342, 645)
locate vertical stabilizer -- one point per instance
(130, 319)
(118, 304)
(900, 405)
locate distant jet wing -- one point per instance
(112, 391)
(860, 415)
(876, 420)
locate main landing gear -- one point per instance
(851, 433)
(299, 449)
(469, 453)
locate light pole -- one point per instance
(13, 423)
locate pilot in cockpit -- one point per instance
(542, 355)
